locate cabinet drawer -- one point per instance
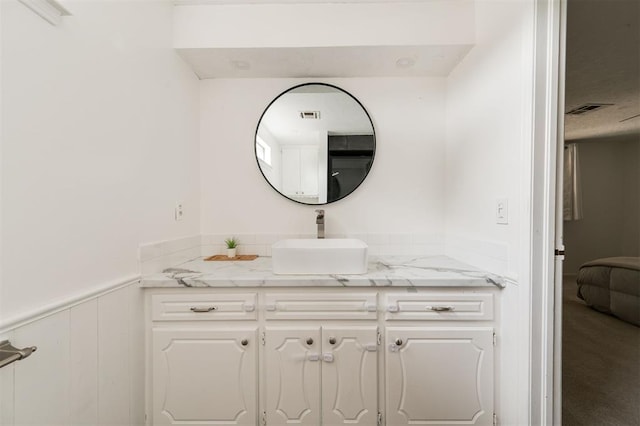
(476, 306)
(321, 306)
(196, 307)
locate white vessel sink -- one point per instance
(319, 256)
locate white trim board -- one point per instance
(549, 24)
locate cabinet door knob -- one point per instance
(332, 340)
(244, 342)
(309, 341)
(398, 342)
(203, 309)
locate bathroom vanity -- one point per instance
(412, 341)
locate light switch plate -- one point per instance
(179, 213)
(502, 211)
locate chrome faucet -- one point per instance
(320, 223)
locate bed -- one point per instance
(612, 285)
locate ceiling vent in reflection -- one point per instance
(310, 115)
(583, 109)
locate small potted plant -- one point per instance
(232, 244)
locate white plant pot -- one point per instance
(231, 252)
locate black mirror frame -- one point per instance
(255, 138)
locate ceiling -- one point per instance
(385, 38)
(349, 61)
(603, 66)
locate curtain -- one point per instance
(572, 196)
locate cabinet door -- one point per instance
(205, 376)
(309, 170)
(290, 171)
(439, 376)
(292, 361)
(350, 375)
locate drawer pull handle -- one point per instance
(204, 309)
(332, 340)
(440, 308)
(398, 342)
(309, 341)
(244, 342)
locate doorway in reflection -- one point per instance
(349, 160)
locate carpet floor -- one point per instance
(600, 366)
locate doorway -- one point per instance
(600, 345)
(349, 160)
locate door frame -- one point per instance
(545, 368)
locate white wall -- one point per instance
(488, 114)
(1, 144)
(488, 156)
(610, 173)
(99, 141)
(403, 193)
(436, 22)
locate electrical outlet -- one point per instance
(179, 213)
(502, 211)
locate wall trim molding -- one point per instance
(41, 312)
(545, 397)
(49, 10)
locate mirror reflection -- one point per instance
(315, 143)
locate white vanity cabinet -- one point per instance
(203, 370)
(321, 372)
(314, 356)
(439, 375)
(205, 376)
(321, 375)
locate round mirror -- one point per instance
(315, 143)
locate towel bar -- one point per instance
(9, 354)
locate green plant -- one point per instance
(231, 242)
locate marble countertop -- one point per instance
(383, 271)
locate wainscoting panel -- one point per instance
(6, 389)
(42, 380)
(83, 386)
(89, 366)
(137, 358)
(113, 358)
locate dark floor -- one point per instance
(600, 367)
